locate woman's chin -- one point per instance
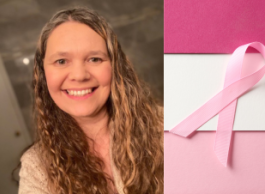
(90, 112)
(82, 114)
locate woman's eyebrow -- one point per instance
(63, 54)
(97, 53)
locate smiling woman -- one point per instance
(93, 115)
(77, 69)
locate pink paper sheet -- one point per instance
(192, 168)
(212, 26)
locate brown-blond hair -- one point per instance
(137, 121)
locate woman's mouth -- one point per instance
(76, 94)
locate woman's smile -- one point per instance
(80, 94)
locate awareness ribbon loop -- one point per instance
(224, 102)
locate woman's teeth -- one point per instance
(79, 93)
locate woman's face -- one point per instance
(77, 69)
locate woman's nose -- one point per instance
(79, 72)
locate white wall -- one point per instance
(11, 124)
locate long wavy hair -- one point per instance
(137, 148)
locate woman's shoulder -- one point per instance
(32, 156)
(32, 151)
(33, 178)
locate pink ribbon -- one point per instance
(224, 102)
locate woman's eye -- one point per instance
(61, 61)
(95, 60)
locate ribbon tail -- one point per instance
(224, 132)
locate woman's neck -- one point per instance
(96, 127)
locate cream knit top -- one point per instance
(33, 177)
